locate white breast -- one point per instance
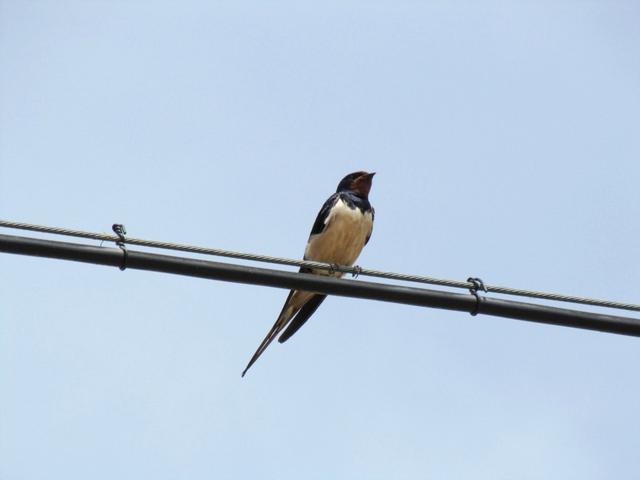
(342, 240)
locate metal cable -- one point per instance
(320, 265)
(323, 284)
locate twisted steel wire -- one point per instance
(355, 271)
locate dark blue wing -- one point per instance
(373, 217)
(301, 317)
(318, 225)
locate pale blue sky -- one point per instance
(506, 140)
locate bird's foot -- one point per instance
(357, 270)
(334, 268)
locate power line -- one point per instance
(320, 265)
(321, 284)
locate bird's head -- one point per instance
(358, 182)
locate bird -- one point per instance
(341, 230)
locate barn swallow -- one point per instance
(341, 230)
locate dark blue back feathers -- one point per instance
(352, 199)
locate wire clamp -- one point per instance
(476, 284)
(119, 230)
(357, 270)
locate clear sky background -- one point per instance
(506, 137)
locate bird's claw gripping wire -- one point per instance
(333, 268)
(356, 271)
(120, 231)
(477, 284)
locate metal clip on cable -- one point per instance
(119, 230)
(357, 270)
(477, 284)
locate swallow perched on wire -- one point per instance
(341, 230)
